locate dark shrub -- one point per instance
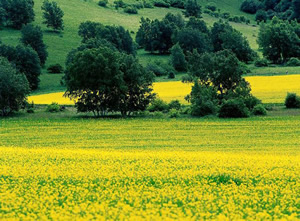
(292, 101)
(130, 10)
(55, 69)
(120, 4)
(175, 104)
(148, 5)
(251, 101)
(234, 108)
(103, 3)
(177, 3)
(259, 110)
(249, 6)
(293, 62)
(211, 6)
(158, 105)
(171, 75)
(261, 62)
(161, 4)
(203, 108)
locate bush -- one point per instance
(173, 113)
(259, 110)
(130, 10)
(158, 114)
(293, 62)
(204, 108)
(103, 3)
(292, 101)
(211, 6)
(120, 4)
(161, 4)
(177, 3)
(55, 69)
(52, 108)
(175, 104)
(160, 68)
(249, 6)
(148, 5)
(158, 105)
(261, 62)
(234, 108)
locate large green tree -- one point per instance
(103, 79)
(14, 88)
(279, 41)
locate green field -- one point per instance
(64, 167)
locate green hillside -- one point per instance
(77, 11)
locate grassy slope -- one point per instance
(77, 11)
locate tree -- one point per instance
(249, 6)
(103, 79)
(279, 40)
(190, 39)
(18, 12)
(116, 35)
(260, 16)
(222, 70)
(178, 58)
(296, 9)
(224, 36)
(13, 88)
(192, 8)
(53, 15)
(33, 36)
(26, 61)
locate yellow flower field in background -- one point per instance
(150, 169)
(270, 89)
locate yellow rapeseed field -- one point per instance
(270, 89)
(150, 169)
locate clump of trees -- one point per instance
(161, 36)
(105, 80)
(26, 61)
(16, 13)
(219, 86)
(279, 40)
(267, 9)
(53, 15)
(14, 88)
(117, 36)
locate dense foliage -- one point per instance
(33, 36)
(16, 13)
(116, 35)
(279, 40)
(26, 61)
(103, 79)
(13, 88)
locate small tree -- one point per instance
(13, 88)
(261, 16)
(178, 58)
(33, 36)
(192, 8)
(53, 15)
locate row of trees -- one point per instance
(161, 36)
(267, 9)
(16, 13)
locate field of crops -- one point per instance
(270, 89)
(66, 168)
